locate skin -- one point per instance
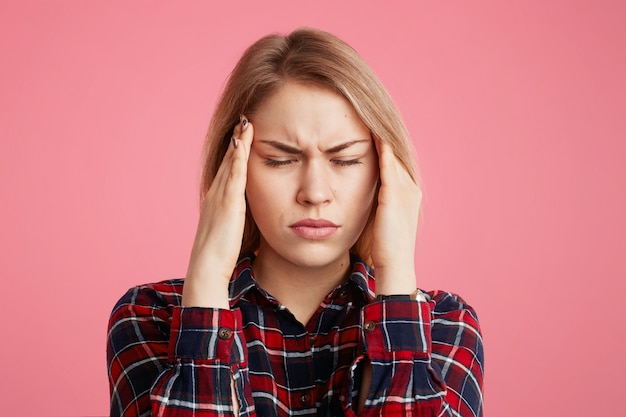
(290, 166)
(312, 158)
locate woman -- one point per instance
(308, 179)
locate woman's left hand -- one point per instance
(395, 226)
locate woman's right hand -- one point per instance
(220, 229)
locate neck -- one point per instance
(300, 288)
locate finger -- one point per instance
(224, 174)
(243, 135)
(390, 166)
(386, 161)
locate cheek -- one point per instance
(264, 194)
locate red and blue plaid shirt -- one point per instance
(168, 360)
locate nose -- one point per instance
(314, 186)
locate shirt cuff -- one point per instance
(206, 334)
(397, 324)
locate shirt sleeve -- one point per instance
(426, 357)
(171, 360)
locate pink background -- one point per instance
(516, 110)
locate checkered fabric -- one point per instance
(168, 360)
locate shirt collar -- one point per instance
(363, 276)
(242, 281)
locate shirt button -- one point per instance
(312, 338)
(224, 333)
(343, 293)
(304, 399)
(369, 326)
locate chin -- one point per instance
(310, 255)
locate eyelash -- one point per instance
(276, 163)
(346, 163)
(338, 162)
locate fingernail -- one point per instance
(234, 142)
(244, 124)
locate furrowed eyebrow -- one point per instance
(343, 146)
(282, 147)
(295, 151)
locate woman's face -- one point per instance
(312, 175)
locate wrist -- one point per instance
(207, 295)
(395, 281)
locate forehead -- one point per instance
(303, 114)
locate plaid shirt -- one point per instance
(168, 360)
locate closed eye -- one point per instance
(277, 162)
(338, 162)
(346, 162)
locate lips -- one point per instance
(314, 228)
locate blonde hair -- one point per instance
(313, 57)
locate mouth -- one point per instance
(314, 228)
